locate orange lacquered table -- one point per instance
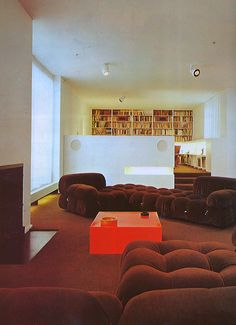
(130, 226)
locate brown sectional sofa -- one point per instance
(173, 282)
(212, 201)
(87, 193)
(62, 306)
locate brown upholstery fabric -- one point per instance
(212, 201)
(135, 200)
(113, 199)
(195, 306)
(60, 306)
(204, 185)
(83, 200)
(93, 179)
(87, 193)
(149, 200)
(234, 237)
(173, 264)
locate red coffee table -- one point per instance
(130, 226)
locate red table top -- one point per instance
(128, 219)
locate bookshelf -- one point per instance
(159, 122)
(162, 122)
(183, 125)
(142, 122)
(101, 121)
(121, 122)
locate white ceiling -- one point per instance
(149, 44)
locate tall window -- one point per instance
(42, 144)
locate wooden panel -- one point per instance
(11, 201)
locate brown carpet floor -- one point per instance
(65, 261)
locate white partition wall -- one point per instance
(122, 159)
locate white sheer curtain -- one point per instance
(212, 118)
(42, 128)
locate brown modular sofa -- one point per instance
(87, 193)
(212, 201)
(62, 306)
(173, 282)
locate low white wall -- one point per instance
(110, 155)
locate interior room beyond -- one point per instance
(117, 171)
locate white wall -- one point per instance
(15, 92)
(110, 155)
(198, 122)
(73, 113)
(223, 149)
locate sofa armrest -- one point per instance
(222, 199)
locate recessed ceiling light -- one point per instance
(121, 99)
(195, 71)
(106, 70)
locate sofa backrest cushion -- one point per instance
(96, 180)
(61, 306)
(195, 306)
(204, 185)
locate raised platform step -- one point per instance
(187, 187)
(186, 175)
(184, 180)
(20, 252)
(177, 174)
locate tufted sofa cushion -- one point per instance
(83, 200)
(112, 199)
(147, 265)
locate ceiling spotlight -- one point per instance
(121, 99)
(106, 70)
(195, 71)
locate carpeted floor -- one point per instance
(65, 261)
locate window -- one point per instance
(43, 129)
